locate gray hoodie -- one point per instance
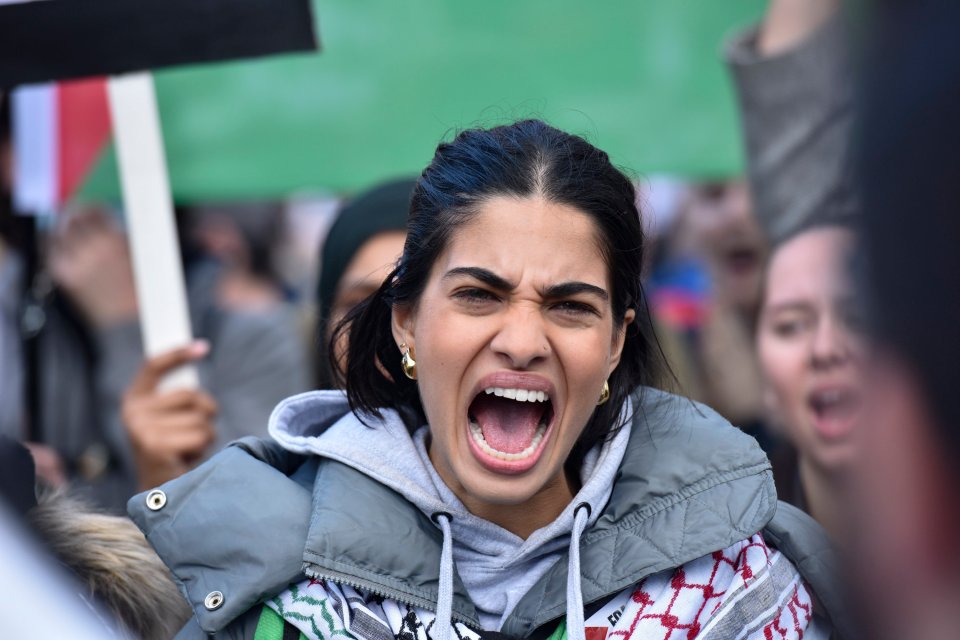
(497, 567)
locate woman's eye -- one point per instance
(787, 328)
(475, 296)
(572, 307)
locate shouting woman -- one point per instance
(499, 464)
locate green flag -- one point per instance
(642, 79)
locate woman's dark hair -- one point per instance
(522, 160)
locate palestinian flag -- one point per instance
(59, 131)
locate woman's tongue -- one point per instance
(508, 425)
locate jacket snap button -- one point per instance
(213, 600)
(156, 499)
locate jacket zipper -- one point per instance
(373, 589)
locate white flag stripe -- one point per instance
(35, 117)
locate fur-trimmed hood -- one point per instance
(111, 559)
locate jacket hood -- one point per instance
(688, 484)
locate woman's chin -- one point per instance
(831, 455)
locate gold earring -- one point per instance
(604, 393)
(407, 363)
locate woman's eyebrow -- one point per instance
(561, 290)
(485, 276)
(789, 305)
(567, 289)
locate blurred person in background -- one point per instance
(104, 424)
(252, 358)
(792, 79)
(909, 161)
(812, 349)
(359, 251)
(705, 289)
(242, 240)
(248, 330)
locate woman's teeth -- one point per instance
(833, 399)
(477, 434)
(520, 395)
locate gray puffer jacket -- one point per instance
(256, 518)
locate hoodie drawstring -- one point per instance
(575, 622)
(443, 623)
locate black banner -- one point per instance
(61, 39)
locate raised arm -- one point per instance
(794, 87)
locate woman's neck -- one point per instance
(523, 519)
(825, 494)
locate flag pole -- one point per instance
(157, 268)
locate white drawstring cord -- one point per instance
(575, 622)
(443, 623)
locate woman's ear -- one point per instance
(403, 319)
(619, 338)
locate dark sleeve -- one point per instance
(796, 111)
(80, 415)
(120, 349)
(258, 359)
(804, 542)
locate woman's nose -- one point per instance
(830, 343)
(521, 339)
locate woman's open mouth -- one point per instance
(742, 259)
(508, 427)
(836, 410)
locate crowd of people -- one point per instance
(509, 407)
